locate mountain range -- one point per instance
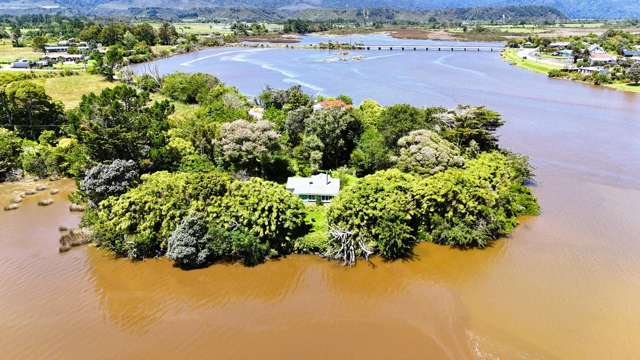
(577, 9)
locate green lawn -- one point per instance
(9, 54)
(316, 239)
(69, 89)
(511, 56)
(624, 87)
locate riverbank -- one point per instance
(524, 58)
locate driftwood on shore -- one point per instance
(74, 237)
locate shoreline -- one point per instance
(513, 57)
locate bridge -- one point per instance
(470, 48)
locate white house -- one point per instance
(320, 187)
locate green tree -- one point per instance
(120, 124)
(424, 152)
(371, 153)
(167, 34)
(111, 60)
(398, 120)
(188, 88)
(338, 131)
(28, 108)
(467, 125)
(38, 43)
(10, 149)
(146, 33)
(633, 73)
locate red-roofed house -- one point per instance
(331, 104)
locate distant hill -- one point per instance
(571, 8)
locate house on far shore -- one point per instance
(331, 104)
(558, 45)
(631, 53)
(602, 59)
(320, 187)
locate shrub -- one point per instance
(266, 210)
(105, 180)
(472, 206)
(148, 83)
(236, 245)
(10, 149)
(138, 223)
(379, 210)
(424, 152)
(188, 245)
(187, 88)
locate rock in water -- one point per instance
(74, 237)
(41, 187)
(10, 207)
(54, 191)
(30, 192)
(45, 202)
(16, 200)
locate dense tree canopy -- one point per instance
(26, 107)
(120, 124)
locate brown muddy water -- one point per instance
(565, 285)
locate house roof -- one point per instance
(331, 104)
(627, 52)
(320, 184)
(602, 57)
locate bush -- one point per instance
(187, 88)
(236, 245)
(148, 83)
(380, 210)
(10, 149)
(188, 245)
(105, 180)
(266, 210)
(424, 152)
(472, 206)
(138, 223)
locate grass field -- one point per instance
(625, 87)
(69, 89)
(511, 56)
(9, 54)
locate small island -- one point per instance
(208, 185)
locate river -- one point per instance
(565, 285)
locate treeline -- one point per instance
(207, 187)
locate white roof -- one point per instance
(320, 184)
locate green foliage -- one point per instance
(371, 154)
(398, 120)
(138, 223)
(120, 124)
(26, 107)
(10, 149)
(381, 211)
(148, 83)
(67, 157)
(338, 130)
(633, 73)
(289, 99)
(236, 245)
(187, 88)
(467, 124)
(465, 207)
(266, 210)
(470, 207)
(248, 146)
(424, 152)
(316, 241)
